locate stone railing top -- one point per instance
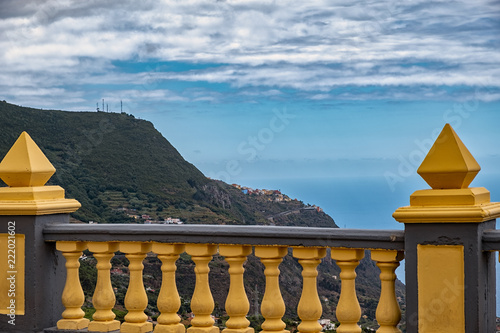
(228, 234)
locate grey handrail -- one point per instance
(228, 234)
(491, 240)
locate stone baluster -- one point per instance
(309, 308)
(168, 299)
(388, 312)
(104, 297)
(273, 306)
(72, 296)
(202, 302)
(136, 299)
(348, 309)
(237, 305)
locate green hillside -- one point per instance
(117, 166)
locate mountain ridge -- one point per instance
(109, 161)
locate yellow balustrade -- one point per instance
(136, 299)
(168, 299)
(237, 305)
(388, 312)
(309, 308)
(273, 306)
(348, 309)
(202, 302)
(72, 296)
(104, 297)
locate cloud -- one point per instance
(307, 46)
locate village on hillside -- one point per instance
(271, 195)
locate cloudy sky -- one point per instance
(254, 89)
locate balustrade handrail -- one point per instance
(491, 240)
(228, 234)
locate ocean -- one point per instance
(360, 202)
(366, 202)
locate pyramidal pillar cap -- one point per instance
(449, 168)
(449, 164)
(26, 170)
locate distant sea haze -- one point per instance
(360, 202)
(367, 202)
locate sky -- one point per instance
(346, 94)
(253, 92)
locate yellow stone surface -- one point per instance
(135, 247)
(7, 271)
(388, 313)
(201, 249)
(387, 255)
(271, 251)
(176, 328)
(309, 252)
(38, 207)
(234, 250)
(238, 330)
(103, 247)
(26, 170)
(70, 246)
(136, 327)
(210, 329)
(237, 304)
(272, 307)
(165, 248)
(72, 324)
(449, 164)
(441, 288)
(25, 164)
(104, 326)
(31, 193)
(344, 254)
(348, 310)
(449, 168)
(448, 214)
(450, 197)
(309, 308)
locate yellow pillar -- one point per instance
(136, 299)
(388, 313)
(26, 206)
(104, 297)
(273, 306)
(237, 305)
(168, 299)
(443, 250)
(309, 308)
(25, 169)
(348, 309)
(202, 302)
(72, 297)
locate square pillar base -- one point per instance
(136, 327)
(73, 324)
(104, 326)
